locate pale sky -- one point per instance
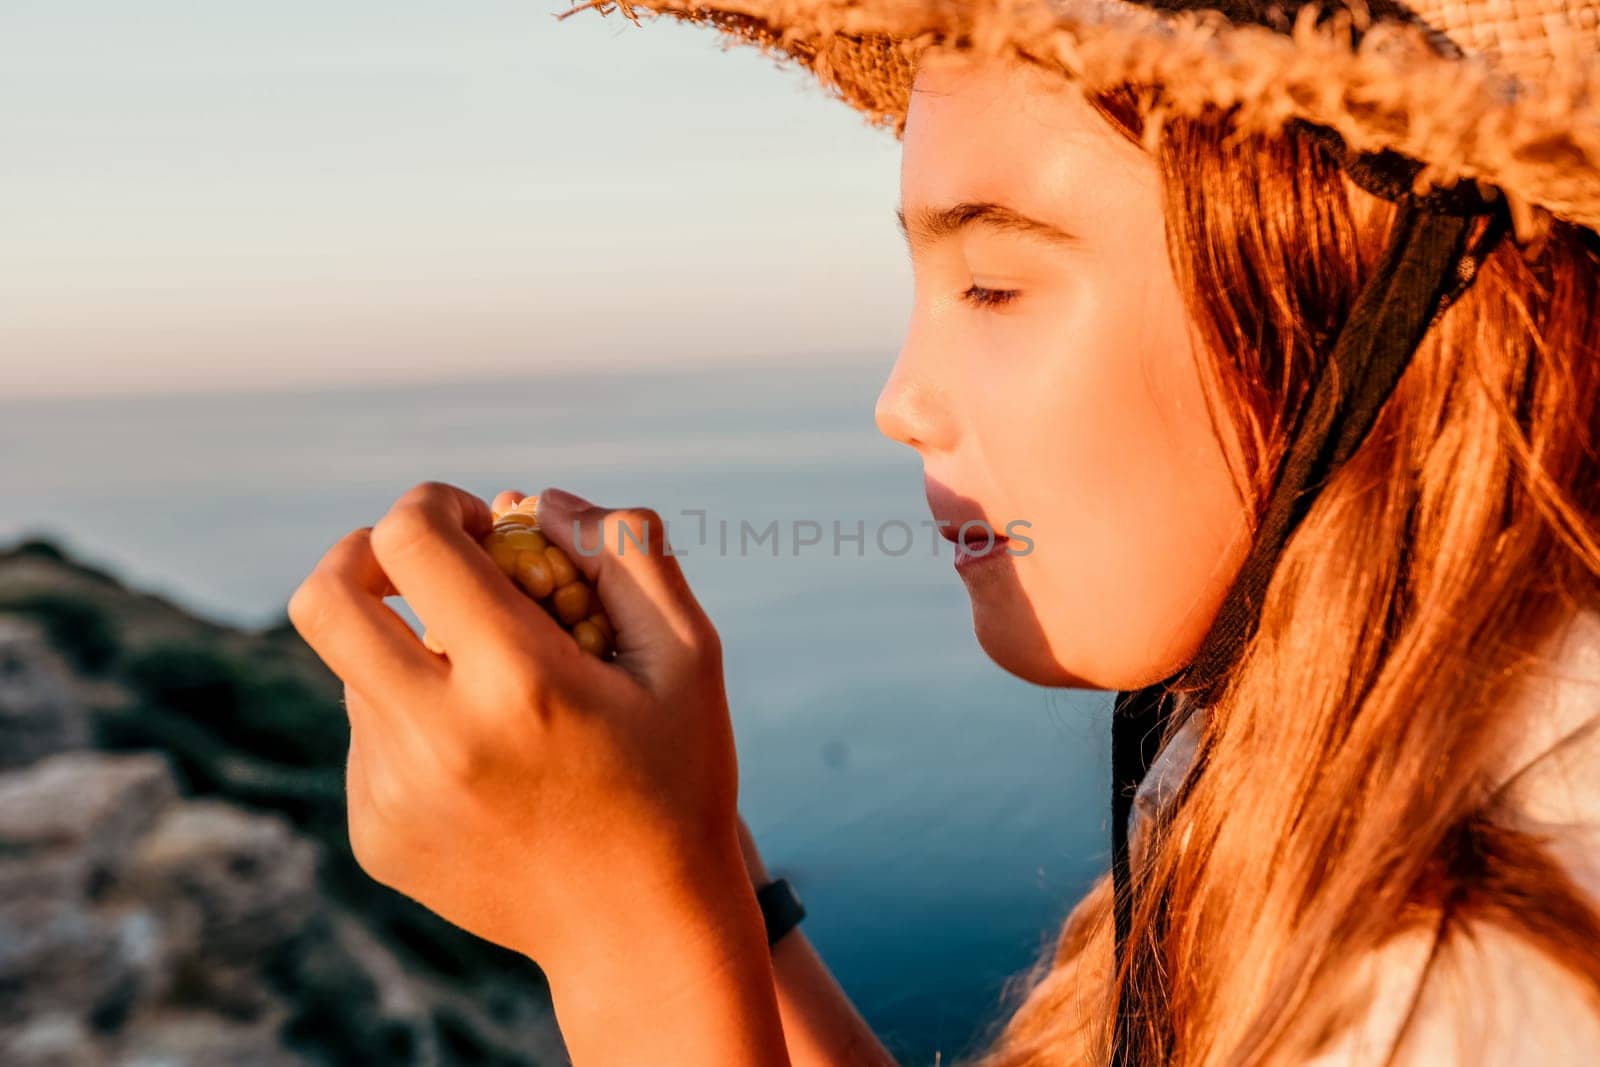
(203, 195)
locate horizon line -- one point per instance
(489, 376)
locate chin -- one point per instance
(1019, 648)
(1014, 639)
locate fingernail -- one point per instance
(563, 499)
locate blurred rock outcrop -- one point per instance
(39, 712)
(189, 904)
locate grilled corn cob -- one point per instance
(543, 571)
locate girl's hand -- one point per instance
(541, 798)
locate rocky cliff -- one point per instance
(176, 889)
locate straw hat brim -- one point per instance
(1531, 130)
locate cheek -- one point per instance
(1100, 438)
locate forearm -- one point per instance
(820, 1025)
(686, 979)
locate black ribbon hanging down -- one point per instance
(1425, 267)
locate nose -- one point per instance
(910, 406)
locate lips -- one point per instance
(960, 521)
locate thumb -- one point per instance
(624, 554)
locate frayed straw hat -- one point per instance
(1506, 91)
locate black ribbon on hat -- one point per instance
(1428, 263)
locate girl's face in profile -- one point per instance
(1047, 377)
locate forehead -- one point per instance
(1006, 130)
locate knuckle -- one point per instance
(705, 642)
(402, 530)
(698, 641)
(310, 607)
(462, 762)
(528, 688)
(517, 684)
(308, 604)
(641, 513)
(521, 695)
(305, 607)
(428, 495)
(565, 659)
(641, 527)
(388, 798)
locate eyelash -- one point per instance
(981, 297)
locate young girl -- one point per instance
(1307, 449)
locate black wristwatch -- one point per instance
(780, 908)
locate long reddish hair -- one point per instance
(1347, 790)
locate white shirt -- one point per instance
(1494, 1000)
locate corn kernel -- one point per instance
(523, 537)
(561, 568)
(546, 573)
(504, 554)
(533, 574)
(571, 603)
(589, 638)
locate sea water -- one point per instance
(937, 816)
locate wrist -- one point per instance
(688, 958)
(684, 898)
(754, 867)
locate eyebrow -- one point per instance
(930, 225)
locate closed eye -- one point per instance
(981, 297)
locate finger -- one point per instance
(505, 500)
(430, 544)
(339, 611)
(624, 553)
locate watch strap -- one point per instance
(781, 909)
